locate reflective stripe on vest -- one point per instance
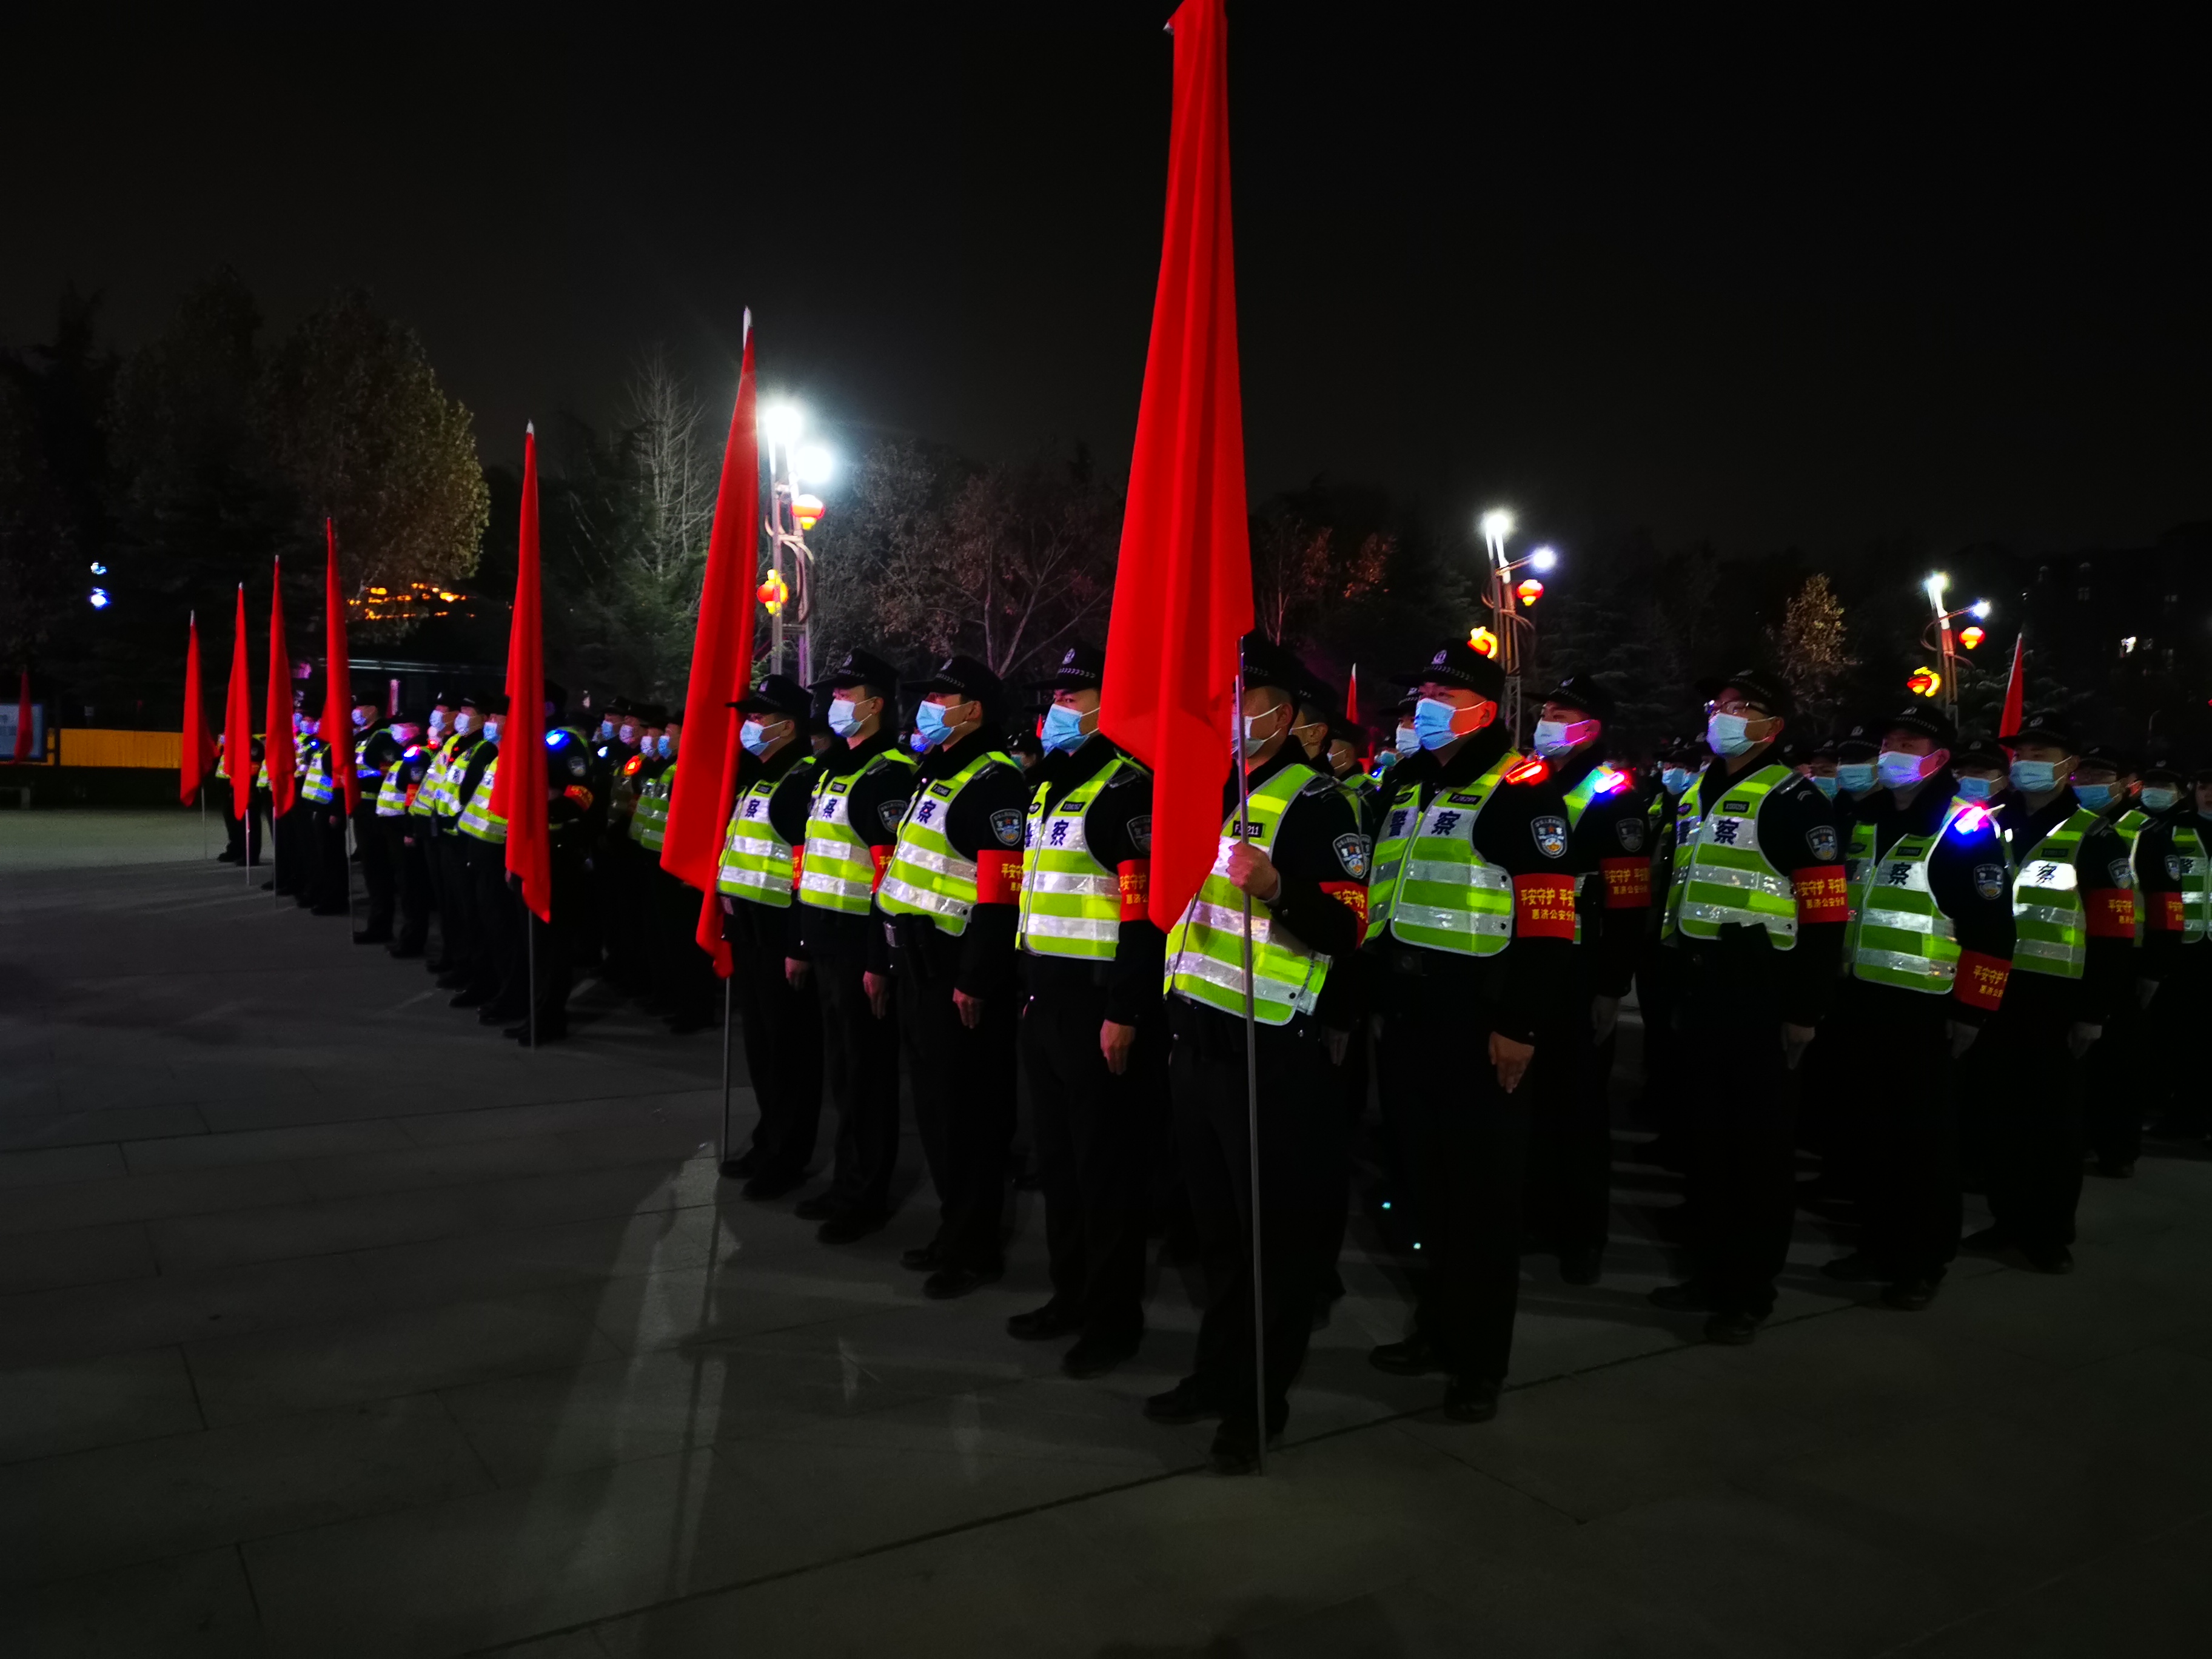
(1859, 867)
(1431, 888)
(1071, 902)
(477, 819)
(1600, 780)
(392, 800)
(839, 872)
(927, 877)
(2128, 827)
(318, 787)
(1901, 937)
(2188, 867)
(1722, 877)
(425, 804)
(756, 862)
(1206, 948)
(2052, 936)
(648, 824)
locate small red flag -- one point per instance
(238, 720)
(337, 726)
(276, 715)
(195, 748)
(23, 717)
(518, 788)
(1182, 596)
(1351, 697)
(2016, 687)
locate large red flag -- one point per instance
(2016, 687)
(195, 748)
(721, 661)
(517, 793)
(1182, 596)
(276, 716)
(23, 717)
(238, 720)
(336, 726)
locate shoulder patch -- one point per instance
(1125, 774)
(1352, 854)
(2121, 875)
(2173, 866)
(1140, 835)
(1551, 834)
(1006, 825)
(1319, 786)
(1630, 831)
(890, 812)
(1989, 881)
(1820, 841)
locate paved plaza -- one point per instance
(334, 1325)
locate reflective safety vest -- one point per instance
(927, 877)
(648, 823)
(392, 800)
(316, 784)
(2128, 827)
(2052, 932)
(1858, 863)
(477, 819)
(1206, 948)
(1600, 780)
(1900, 936)
(1722, 877)
(838, 871)
(759, 864)
(1431, 887)
(429, 792)
(1071, 903)
(2185, 857)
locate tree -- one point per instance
(889, 512)
(354, 417)
(1301, 570)
(1811, 648)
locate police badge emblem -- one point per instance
(2121, 875)
(1551, 834)
(1006, 825)
(1631, 832)
(1352, 854)
(1822, 842)
(2173, 866)
(1989, 881)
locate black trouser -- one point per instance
(502, 971)
(1094, 1137)
(2035, 1124)
(963, 1103)
(1906, 1134)
(459, 946)
(290, 831)
(2118, 1076)
(1741, 1184)
(783, 1040)
(376, 868)
(860, 1064)
(618, 872)
(1570, 1184)
(1301, 1179)
(411, 864)
(242, 837)
(684, 973)
(553, 942)
(434, 884)
(2173, 1096)
(1398, 1092)
(1468, 1156)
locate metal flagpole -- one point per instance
(1251, 1091)
(530, 944)
(725, 1157)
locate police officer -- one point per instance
(1855, 775)
(1472, 919)
(1757, 908)
(374, 750)
(395, 820)
(1659, 973)
(2174, 848)
(2072, 903)
(418, 847)
(683, 976)
(1092, 1037)
(458, 946)
(852, 822)
(1927, 952)
(1981, 773)
(316, 788)
(2105, 781)
(496, 969)
(289, 829)
(759, 882)
(626, 888)
(1298, 856)
(1571, 1150)
(949, 896)
(557, 940)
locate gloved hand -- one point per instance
(1338, 1044)
(1962, 1036)
(2145, 990)
(1796, 1040)
(1605, 1014)
(2082, 1037)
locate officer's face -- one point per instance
(2094, 775)
(1988, 772)
(1341, 757)
(1267, 713)
(1822, 766)
(1471, 711)
(1311, 730)
(1761, 725)
(2204, 796)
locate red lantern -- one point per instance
(1530, 591)
(1970, 637)
(773, 593)
(1924, 682)
(808, 510)
(1483, 641)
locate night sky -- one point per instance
(1766, 289)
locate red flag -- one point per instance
(1182, 597)
(2016, 687)
(23, 718)
(1351, 697)
(195, 748)
(337, 725)
(722, 670)
(276, 717)
(518, 791)
(238, 720)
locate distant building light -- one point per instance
(2127, 645)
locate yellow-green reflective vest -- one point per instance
(756, 862)
(2128, 827)
(477, 819)
(1431, 888)
(1722, 877)
(927, 877)
(840, 872)
(433, 786)
(1600, 780)
(317, 785)
(1900, 936)
(1071, 902)
(1858, 867)
(1206, 948)
(2052, 935)
(2185, 864)
(648, 824)
(392, 799)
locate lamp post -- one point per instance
(1946, 642)
(1501, 595)
(791, 468)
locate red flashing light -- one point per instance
(1532, 770)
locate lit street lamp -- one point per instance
(792, 513)
(1927, 683)
(1506, 600)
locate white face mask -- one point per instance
(844, 719)
(463, 723)
(1558, 737)
(491, 731)
(626, 732)
(1253, 743)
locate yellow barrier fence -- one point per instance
(152, 750)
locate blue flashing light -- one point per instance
(99, 599)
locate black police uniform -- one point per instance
(557, 941)
(1095, 1131)
(375, 752)
(495, 964)
(1659, 990)
(410, 857)
(2170, 1097)
(454, 963)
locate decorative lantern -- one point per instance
(1530, 591)
(1970, 637)
(1483, 640)
(1924, 682)
(808, 510)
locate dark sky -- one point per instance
(1765, 289)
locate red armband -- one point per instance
(997, 876)
(575, 791)
(2112, 913)
(1352, 894)
(1822, 894)
(1981, 980)
(1544, 907)
(2168, 918)
(882, 857)
(1136, 888)
(797, 866)
(1627, 883)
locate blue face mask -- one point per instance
(437, 721)
(754, 736)
(930, 723)
(2094, 796)
(1826, 786)
(1558, 737)
(463, 724)
(1063, 729)
(491, 731)
(1728, 734)
(2156, 798)
(1976, 788)
(844, 720)
(1855, 778)
(607, 728)
(2035, 777)
(360, 720)
(665, 746)
(1677, 780)
(1898, 770)
(1432, 722)
(1408, 740)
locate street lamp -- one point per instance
(790, 514)
(1505, 600)
(1947, 642)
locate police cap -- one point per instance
(2105, 756)
(778, 695)
(1582, 690)
(651, 714)
(1760, 689)
(2042, 726)
(964, 678)
(1266, 663)
(865, 668)
(1082, 668)
(1983, 754)
(1926, 720)
(1458, 663)
(2162, 772)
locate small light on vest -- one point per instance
(1973, 820)
(1532, 770)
